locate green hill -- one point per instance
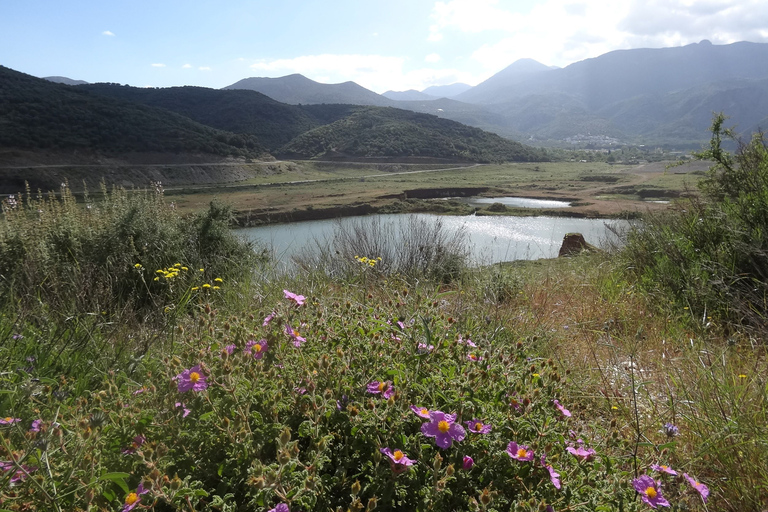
(237, 111)
(36, 114)
(383, 132)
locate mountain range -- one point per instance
(661, 96)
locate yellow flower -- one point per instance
(206, 285)
(742, 376)
(202, 270)
(194, 288)
(156, 279)
(138, 265)
(216, 287)
(184, 268)
(219, 280)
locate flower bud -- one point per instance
(356, 488)
(450, 470)
(372, 503)
(438, 462)
(285, 436)
(485, 497)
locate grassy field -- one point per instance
(598, 189)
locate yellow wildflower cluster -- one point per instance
(208, 286)
(367, 261)
(170, 272)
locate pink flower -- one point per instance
(554, 477)
(519, 452)
(135, 445)
(134, 498)
(183, 408)
(268, 319)
(298, 299)
(702, 489)
(192, 379)
(581, 453)
(139, 391)
(649, 491)
(421, 412)
(297, 339)
(478, 427)
(9, 421)
(256, 348)
(230, 349)
(423, 348)
(467, 462)
(565, 412)
(20, 474)
(443, 428)
(474, 357)
(280, 507)
(664, 469)
(469, 342)
(385, 388)
(398, 459)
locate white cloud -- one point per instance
(158, 65)
(375, 72)
(107, 33)
(432, 57)
(187, 66)
(559, 32)
(204, 68)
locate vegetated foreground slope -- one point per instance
(370, 132)
(36, 114)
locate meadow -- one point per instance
(153, 361)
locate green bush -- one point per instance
(711, 254)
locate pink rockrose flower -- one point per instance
(268, 319)
(184, 409)
(421, 412)
(36, 425)
(397, 458)
(192, 379)
(384, 388)
(478, 427)
(581, 453)
(565, 412)
(650, 492)
(554, 476)
(519, 452)
(663, 469)
(443, 428)
(280, 507)
(702, 489)
(135, 445)
(298, 299)
(134, 498)
(296, 338)
(9, 420)
(256, 348)
(467, 462)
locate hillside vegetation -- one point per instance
(386, 132)
(37, 114)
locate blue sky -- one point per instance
(397, 44)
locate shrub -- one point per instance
(711, 253)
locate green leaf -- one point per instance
(118, 478)
(305, 429)
(206, 416)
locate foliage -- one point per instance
(388, 132)
(38, 114)
(711, 254)
(115, 253)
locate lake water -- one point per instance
(491, 239)
(520, 202)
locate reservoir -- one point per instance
(490, 239)
(518, 202)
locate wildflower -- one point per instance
(385, 388)
(519, 452)
(20, 474)
(468, 342)
(398, 459)
(217, 287)
(230, 349)
(424, 349)
(700, 488)
(17, 336)
(664, 469)
(135, 445)
(467, 462)
(183, 408)
(421, 412)
(554, 476)
(268, 319)
(474, 357)
(195, 288)
(139, 391)
(280, 507)
(192, 379)
(649, 491)
(565, 412)
(134, 498)
(138, 265)
(256, 348)
(670, 430)
(206, 285)
(295, 336)
(9, 421)
(581, 453)
(478, 427)
(219, 280)
(35, 427)
(443, 429)
(298, 299)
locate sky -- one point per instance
(381, 45)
